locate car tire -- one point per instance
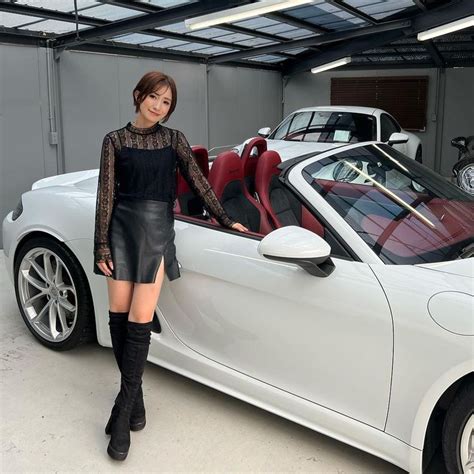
(419, 155)
(465, 176)
(458, 432)
(53, 294)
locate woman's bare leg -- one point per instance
(120, 295)
(145, 298)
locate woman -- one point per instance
(134, 236)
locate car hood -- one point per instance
(67, 179)
(462, 267)
(289, 149)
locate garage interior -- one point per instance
(67, 69)
(67, 74)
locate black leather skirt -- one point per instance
(141, 233)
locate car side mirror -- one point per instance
(264, 132)
(300, 246)
(397, 138)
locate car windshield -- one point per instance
(406, 213)
(327, 127)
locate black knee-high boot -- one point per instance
(135, 353)
(118, 333)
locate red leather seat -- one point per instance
(280, 203)
(227, 181)
(250, 160)
(187, 202)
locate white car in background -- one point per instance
(353, 317)
(316, 129)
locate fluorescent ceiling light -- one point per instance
(241, 13)
(333, 64)
(447, 28)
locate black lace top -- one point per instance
(146, 176)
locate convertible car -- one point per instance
(347, 308)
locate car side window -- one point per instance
(299, 126)
(387, 127)
(281, 131)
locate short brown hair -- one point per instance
(150, 82)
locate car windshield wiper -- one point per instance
(392, 195)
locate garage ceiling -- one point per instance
(375, 33)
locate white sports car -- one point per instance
(316, 129)
(347, 309)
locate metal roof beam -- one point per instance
(256, 33)
(434, 53)
(353, 11)
(44, 13)
(151, 20)
(443, 14)
(141, 7)
(462, 44)
(385, 54)
(314, 41)
(149, 8)
(156, 53)
(284, 18)
(71, 18)
(18, 36)
(346, 49)
(14, 36)
(420, 22)
(406, 64)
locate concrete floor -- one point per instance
(54, 407)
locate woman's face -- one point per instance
(155, 106)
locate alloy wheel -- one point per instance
(47, 294)
(466, 178)
(466, 446)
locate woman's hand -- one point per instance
(238, 226)
(104, 268)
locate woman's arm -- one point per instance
(105, 201)
(198, 182)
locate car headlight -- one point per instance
(18, 210)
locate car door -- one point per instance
(389, 125)
(328, 340)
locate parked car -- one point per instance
(354, 320)
(321, 128)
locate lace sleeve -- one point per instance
(198, 182)
(105, 201)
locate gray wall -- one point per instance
(308, 89)
(215, 107)
(96, 97)
(241, 102)
(25, 152)
(94, 92)
(458, 113)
